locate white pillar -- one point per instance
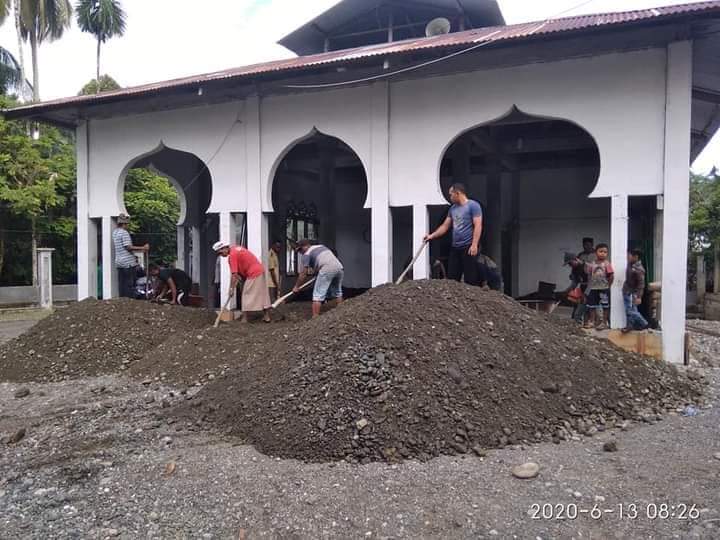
(254, 184)
(227, 234)
(421, 219)
(109, 272)
(85, 269)
(91, 253)
(44, 263)
(618, 257)
(180, 259)
(676, 196)
(197, 248)
(379, 183)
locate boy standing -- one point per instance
(633, 290)
(600, 278)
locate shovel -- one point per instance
(288, 295)
(415, 258)
(224, 308)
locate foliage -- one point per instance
(11, 79)
(153, 204)
(104, 19)
(704, 212)
(39, 21)
(37, 194)
(107, 84)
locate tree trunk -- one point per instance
(97, 79)
(716, 270)
(34, 255)
(21, 56)
(36, 67)
(2, 251)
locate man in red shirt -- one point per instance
(246, 266)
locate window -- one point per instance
(301, 222)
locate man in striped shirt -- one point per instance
(125, 260)
(328, 272)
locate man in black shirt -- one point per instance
(174, 281)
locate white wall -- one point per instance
(555, 215)
(618, 98)
(620, 105)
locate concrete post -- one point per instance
(676, 196)
(86, 241)
(195, 252)
(618, 257)
(421, 219)
(701, 280)
(109, 272)
(180, 259)
(44, 264)
(379, 184)
(716, 270)
(227, 234)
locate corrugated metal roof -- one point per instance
(310, 37)
(490, 35)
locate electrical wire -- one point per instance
(487, 40)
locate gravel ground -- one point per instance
(705, 342)
(12, 329)
(101, 458)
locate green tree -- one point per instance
(37, 198)
(104, 19)
(39, 21)
(107, 83)
(11, 77)
(154, 206)
(704, 212)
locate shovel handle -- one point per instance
(288, 295)
(415, 258)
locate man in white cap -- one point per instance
(125, 260)
(244, 265)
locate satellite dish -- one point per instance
(437, 27)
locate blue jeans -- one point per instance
(328, 285)
(634, 319)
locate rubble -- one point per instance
(415, 371)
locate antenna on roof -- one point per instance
(437, 27)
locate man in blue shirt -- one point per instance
(465, 216)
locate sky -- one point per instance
(166, 39)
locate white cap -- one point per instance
(217, 246)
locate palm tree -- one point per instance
(11, 76)
(42, 20)
(104, 19)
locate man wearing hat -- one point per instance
(125, 260)
(244, 265)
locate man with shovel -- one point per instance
(246, 266)
(328, 269)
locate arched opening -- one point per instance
(532, 176)
(318, 192)
(167, 192)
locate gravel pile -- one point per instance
(94, 338)
(430, 368)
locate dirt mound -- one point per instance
(430, 368)
(94, 338)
